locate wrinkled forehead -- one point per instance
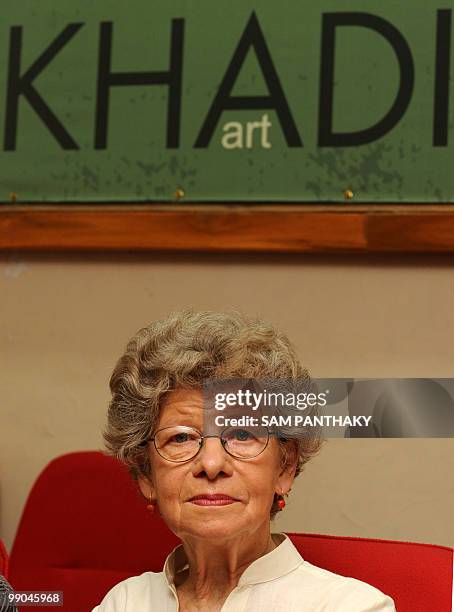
(180, 406)
(198, 408)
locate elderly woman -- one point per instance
(217, 493)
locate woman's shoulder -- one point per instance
(350, 593)
(132, 593)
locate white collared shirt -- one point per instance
(281, 580)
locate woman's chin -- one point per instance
(216, 523)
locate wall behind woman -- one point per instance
(66, 319)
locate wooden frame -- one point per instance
(297, 228)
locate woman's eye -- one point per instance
(242, 435)
(181, 437)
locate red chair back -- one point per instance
(419, 577)
(84, 528)
(3, 561)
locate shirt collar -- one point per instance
(280, 561)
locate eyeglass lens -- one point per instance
(181, 443)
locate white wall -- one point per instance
(65, 320)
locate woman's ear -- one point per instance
(146, 487)
(288, 467)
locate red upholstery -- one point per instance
(417, 576)
(84, 528)
(3, 561)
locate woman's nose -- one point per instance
(212, 460)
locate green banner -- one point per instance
(225, 101)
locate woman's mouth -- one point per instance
(217, 499)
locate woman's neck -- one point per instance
(215, 567)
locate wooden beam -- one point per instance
(297, 228)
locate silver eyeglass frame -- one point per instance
(202, 438)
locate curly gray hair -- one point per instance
(184, 350)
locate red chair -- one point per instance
(3, 561)
(84, 528)
(419, 577)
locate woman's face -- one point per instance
(251, 483)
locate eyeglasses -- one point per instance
(181, 443)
